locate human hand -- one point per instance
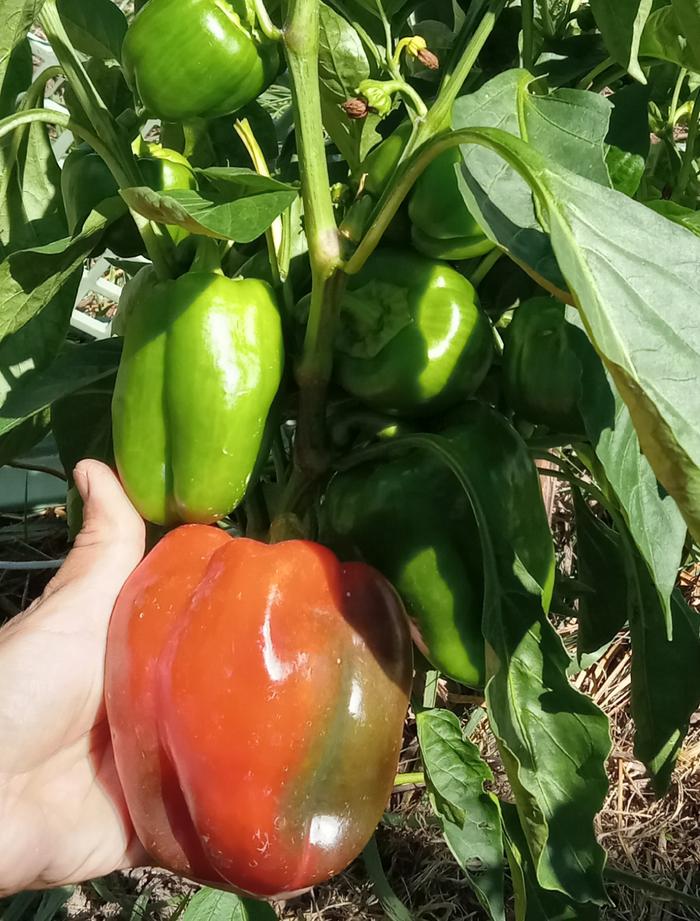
(63, 817)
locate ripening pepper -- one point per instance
(543, 361)
(412, 337)
(191, 59)
(256, 696)
(442, 225)
(86, 182)
(201, 366)
(410, 519)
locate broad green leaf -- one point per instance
(75, 367)
(568, 125)
(17, 17)
(622, 23)
(82, 424)
(554, 743)
(665, 677)
(31, 278)
(688, 16)
(652, 517)
(665, 38)
(215, 905)
(679, 214)
(342, 64)
(600, 565)
(17, 78)
(532, 902)
(636, 279)
(470, 817)
(96, 28)
(553, 740)
(232, 204)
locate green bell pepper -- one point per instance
(543, 361)
(410, 519)
(190, 59)
(86, 182)
(202, 363)
(442, 225)
(412, 338)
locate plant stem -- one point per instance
(267, 26)
(301, 40)
(599, 69)
(528, 13)
(440, 112)
(273, 235)
(689, 153)
(485, 266)
(673, 108)
(402, 780)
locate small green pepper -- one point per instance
(412, 338)
(443, 227)
(191, 59)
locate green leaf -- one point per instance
(687, 14)
(665, 677)
(96, 28)
(232, 204)
(343, 64)
(532, 902)
(393, 907)
(600, 564)
(622, 23)
(17, 18)
(31, 278)
(214, 905)
(553, 740)
(470, 817)
(653, 518)
(17, 78)
(82, 424)
(568, 126)
(636, 280)
(75, 367)
(679, 214)
(665, 38)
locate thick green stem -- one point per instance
(301, 39)
(402, 780)
(673, 108)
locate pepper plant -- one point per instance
(392, 257)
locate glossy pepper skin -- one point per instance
(86, 182)
(442, 225)
(412, 338)
(410, 519)
(192, 59)
(256, 696)
(382, 160)
(543, 365)
(201, 366)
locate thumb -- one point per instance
(111, 541)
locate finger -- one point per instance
(111, 541)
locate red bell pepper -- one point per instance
(256, 696)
